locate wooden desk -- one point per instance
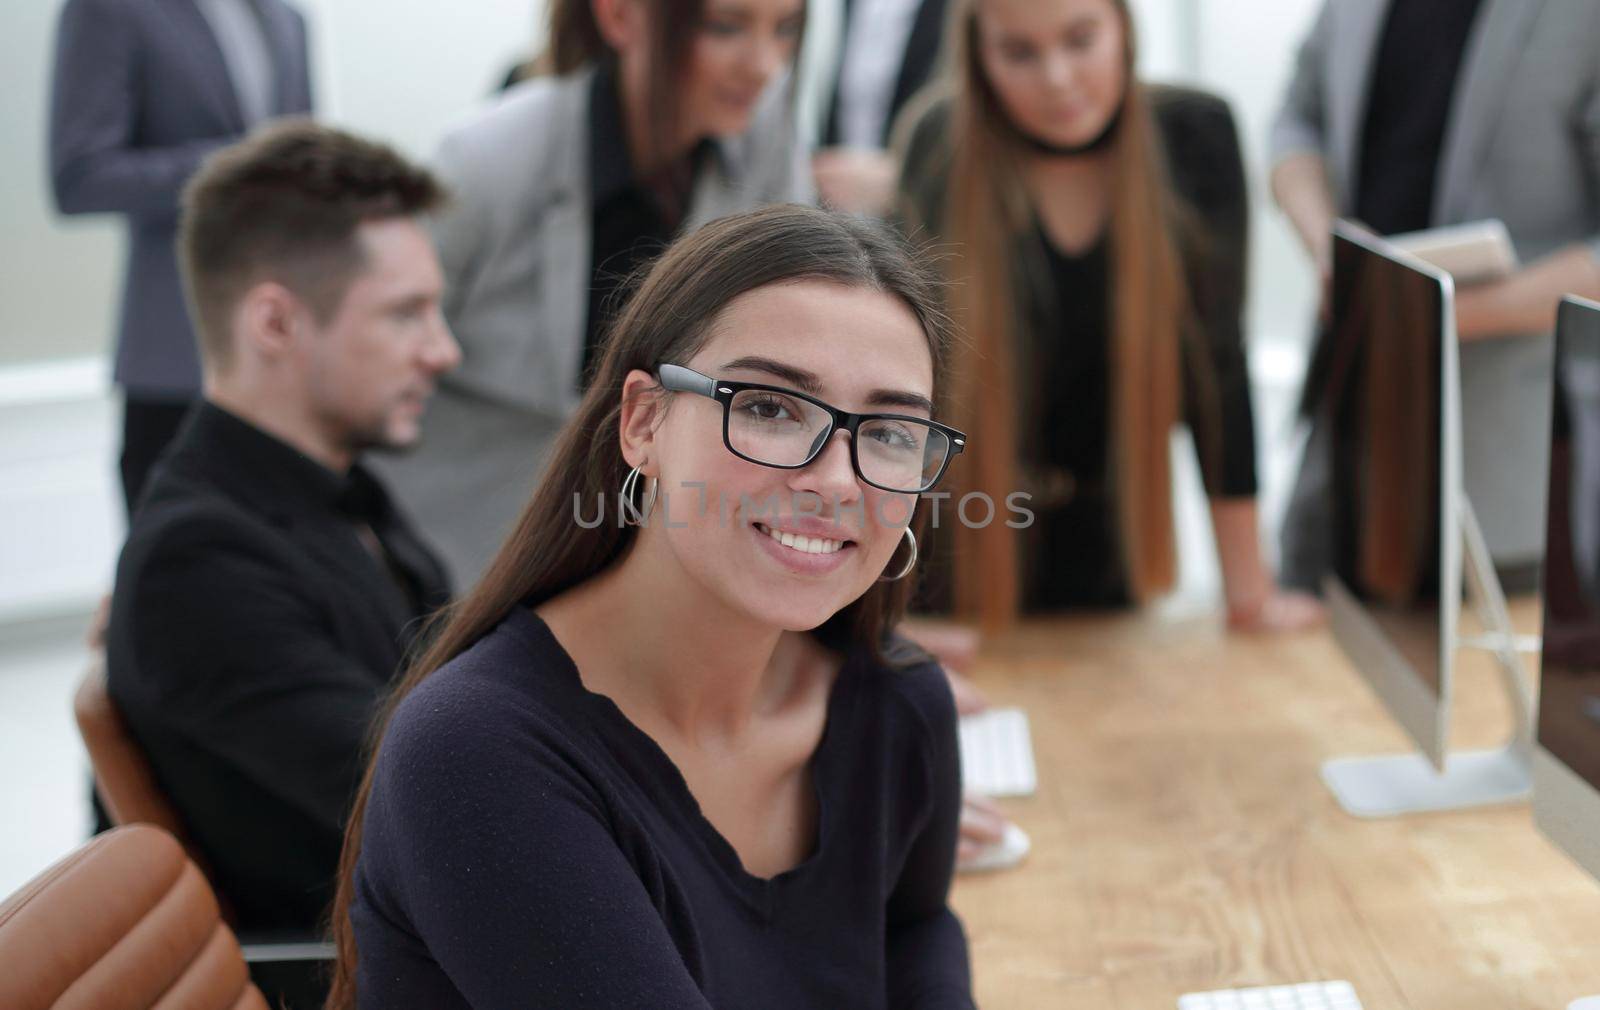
(1183, 840)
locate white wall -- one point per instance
(404, 70)
(57, 281)
(397, 69)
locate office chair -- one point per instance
(126, 782)
(125, 922)
(131, 795)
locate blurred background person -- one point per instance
(269, 588)
(660, 115)
(1411, 114)
(888, 50)
(1098, 228)
(141, 93)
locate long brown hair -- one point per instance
(986, 214)
(667, 320)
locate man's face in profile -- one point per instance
(373, 365)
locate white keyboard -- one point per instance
(1307, 996)
(997, 753)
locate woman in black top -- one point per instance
(667, 753)
(1100, 237)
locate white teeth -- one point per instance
(805, 545)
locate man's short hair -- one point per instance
(284, 205)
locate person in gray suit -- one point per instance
(566, 184)
(1409, 114)
(142, 91)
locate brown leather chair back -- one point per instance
(124, 778)
(126, 922)
(126, 782)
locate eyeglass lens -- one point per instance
(905, 455)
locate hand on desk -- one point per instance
(1281, 610)
(983, 825)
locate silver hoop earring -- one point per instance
(636, 515)
(911, 562)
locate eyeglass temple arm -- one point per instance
(686, 380)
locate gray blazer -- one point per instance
(515, 246)
(1523, 145)
(1523, 140)
(141, 93)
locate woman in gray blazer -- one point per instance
(1422, 113)
(562, 187)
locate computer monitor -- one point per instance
(1566, 764)
(1403, 534)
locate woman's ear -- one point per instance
(621, 22)
(642, 400)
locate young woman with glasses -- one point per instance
(671, 755)
(1098, 225)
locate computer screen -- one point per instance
(1394, 482)
(1567, 768)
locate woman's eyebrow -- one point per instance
(900, 398)
(808, 382)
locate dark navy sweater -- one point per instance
(527, 846)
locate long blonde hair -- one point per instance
(986, 213)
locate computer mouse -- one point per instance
(1004, 854)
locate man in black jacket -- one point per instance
(269, 589)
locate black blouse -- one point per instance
(526, 845)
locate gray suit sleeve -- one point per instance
(96, 165)
(1298, 128)
(460, 228)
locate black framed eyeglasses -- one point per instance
(779, 427)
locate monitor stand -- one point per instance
(1410, 783)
